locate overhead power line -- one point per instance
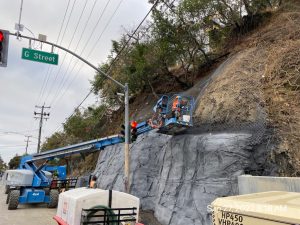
(64, 74)
(47, 75)
(49, 68)
(92, 49)
(63, 21)
(56, 75)
(5, 133)
(115, 11)
(14, 146)
(80, 38)
(93, 31)
(114, 60)
(67, 24)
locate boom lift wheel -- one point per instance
(53, 198)
(6, 189)
(13, 199)
(7, 197)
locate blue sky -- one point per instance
(21, 81)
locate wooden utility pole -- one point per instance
(41, 115)
(27, 141)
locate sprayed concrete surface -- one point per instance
(178, 177)
(25, 214)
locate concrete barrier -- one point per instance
(252, 184)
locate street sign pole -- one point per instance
(126, 93)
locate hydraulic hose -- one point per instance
(110, 214)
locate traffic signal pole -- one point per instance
(127, 133)
(126, 95)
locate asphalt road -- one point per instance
(37, 214)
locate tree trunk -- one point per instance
(270, 4)
(247, 7)
(183, 84)
(152, 88)
(207, 59)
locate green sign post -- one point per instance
(39, 56)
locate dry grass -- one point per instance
(282, 90)
(264, 73)
(235, 96)
(281, 85)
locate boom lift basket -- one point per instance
(175, 111)
(63, 185)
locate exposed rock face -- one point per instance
(178, 177)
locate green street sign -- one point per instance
(39, 56)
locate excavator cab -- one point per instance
(173, 114)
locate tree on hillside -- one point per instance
(3, 165)
(58, 139)
(14, 162)
(87, 124)
(183, 33)
(81, 126)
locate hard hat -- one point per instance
(134, 124)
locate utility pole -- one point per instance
(42, 115)
(27, 141)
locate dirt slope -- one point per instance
(260, 82)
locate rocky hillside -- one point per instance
(246, 121)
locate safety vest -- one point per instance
(176, 105)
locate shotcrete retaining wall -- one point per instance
(178, 177)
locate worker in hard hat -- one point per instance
(158, 119)
(176, 107)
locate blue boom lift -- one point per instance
(35, 184)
